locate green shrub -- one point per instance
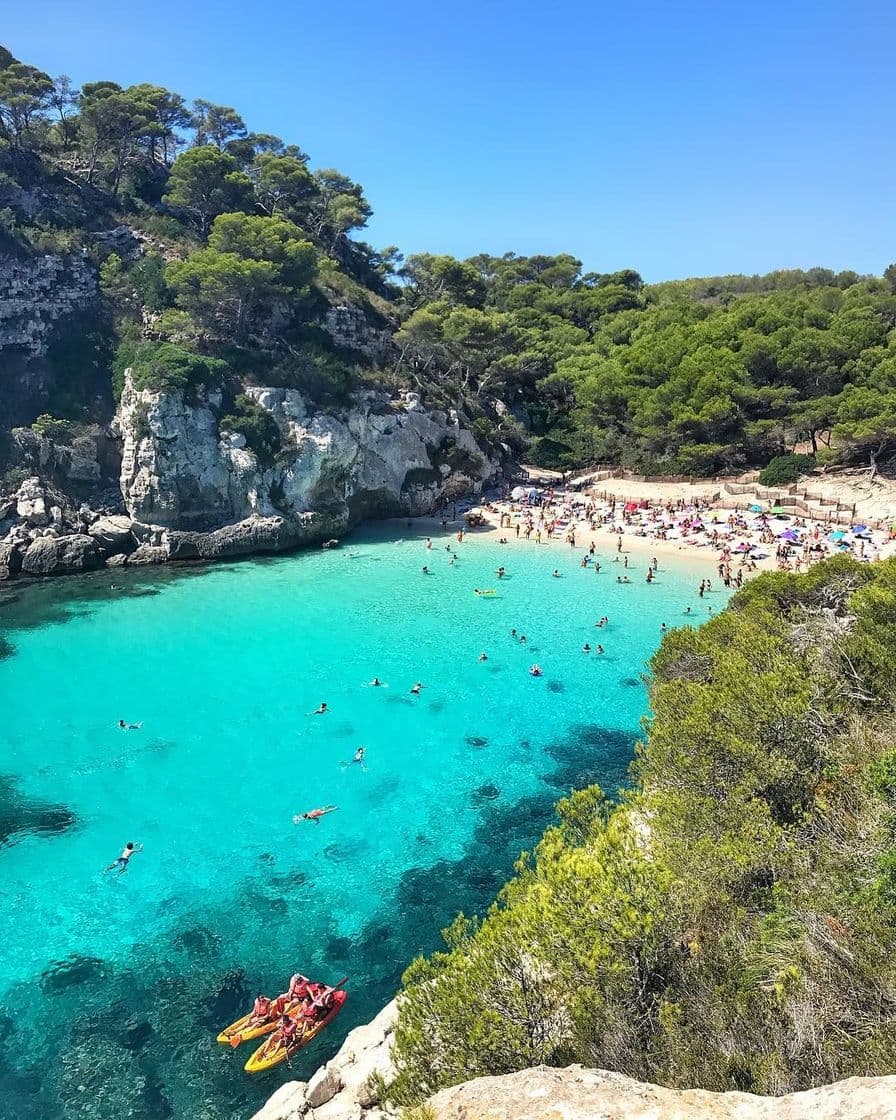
(784, 469)
(62, 431)
(550, 453)
(164, 367)
(258, 427)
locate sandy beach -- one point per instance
(631, 521)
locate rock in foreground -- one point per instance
(576, 1093)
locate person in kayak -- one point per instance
(288, 1031)
(124, 859)
(299, 987)
(261, 1011)
(314, 814)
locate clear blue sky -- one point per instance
(680, 139)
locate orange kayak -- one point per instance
(272, 1051)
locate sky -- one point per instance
(679, 139)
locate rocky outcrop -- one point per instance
(182, 472)
(61, 555)
(347, 1087)
(585, 1094)
(38, 294)
(349, 328)
(89, 462)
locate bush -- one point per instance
(164, 367)
(62, 431)
(258, 427)
(544, 451)
(784, 469)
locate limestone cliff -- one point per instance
(183, 473)
(190, 489)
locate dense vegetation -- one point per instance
(246, 247)
(729, 922)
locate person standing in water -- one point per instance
(123, 861)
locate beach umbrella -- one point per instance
(755, 509)
(836, 536)
(789, 535)
(860, 528)
(744, 547)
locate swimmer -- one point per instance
(124, 859)
(415, 691)
(500, 572)
(320, 711)
(556, 574)
(600, 649)
(314, 814)
(513, 632)
(359, 756)
(586, 648)
(535, 670)
(425, 570)
(664, 629)
(376, 683)
(483, 656)
(522, 639)
(129, 726)
(687, 610)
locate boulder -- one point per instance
(148, 554)
(286, 1104)
(323, 1086)
(60, 555)
(576, 1093)
(116, 560)
(31, 502)
(113, 534)
(254, 534)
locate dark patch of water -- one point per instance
(477, 741)
(20, 815)
(71, 972)
(484, 794)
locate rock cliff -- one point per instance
(38, 295)
(183, 473)
(189, 489)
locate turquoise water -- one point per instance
(112, 988)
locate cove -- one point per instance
(112, 988)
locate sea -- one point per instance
(114, 986)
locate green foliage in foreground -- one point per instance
(729, 923)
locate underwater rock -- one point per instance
(75, 969)
(19, 814)
(477, 741)
(484, 794)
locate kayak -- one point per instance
(272, 1052)
(240, 1031)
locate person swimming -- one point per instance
(483, 656)
(359, 755)
(322, 710)
(600, 649)
(316, 814)
(586, 648)
(415, 690)
(376, 683)
(535, 670)
(425, 570)
(556, 574)
(124, 859)
(129, 726)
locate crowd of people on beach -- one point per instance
(745, 540)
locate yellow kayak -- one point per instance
(272, 1051)
(240, 1031)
